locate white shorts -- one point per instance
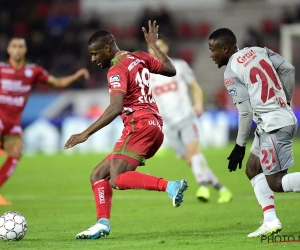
(183, 133)
(274, 149)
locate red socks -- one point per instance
(137, 180)
(102, 194)
(129, 180)
(8, 168)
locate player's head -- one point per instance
(102, 48)
(162, 43)
(17, 49)
(222, 44)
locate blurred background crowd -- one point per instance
(57, 31)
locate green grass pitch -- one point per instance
(54, 195)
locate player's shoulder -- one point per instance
(122, 58)
(4, 65)
(32, 66)
(249, 51)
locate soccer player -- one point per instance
(131, 97)
(260, 84)
(17, 79)
(180, 121)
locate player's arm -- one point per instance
(112, 111)
(285, 71)
(197, 95)
(151, 38)
(62, 82)
(245, 122)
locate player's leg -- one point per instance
(103, 196)
(13, 147)
(196, 160)
(131, 150)
(271, 146)
(264, 196)
(277, 158)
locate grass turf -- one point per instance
(54, 195)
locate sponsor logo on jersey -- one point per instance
(232, 92)
(127, 110)
(28, 73)
(134, 63)
(155, 123)
(7, 71)
(12, 100)
(228, 81)
(166, 88)
(246, 58)
(115, 85)
(14, 85)
(114, 78)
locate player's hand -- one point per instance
(152, 35)
(198, 108)
(82, 73)
(75, 139)
(236, 157)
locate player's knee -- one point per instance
(112, 182)
(275, 182)
(188, 159)
(92, 177)
(96, 175)
(251, 173)
(14, 150)
(253, 167)
(276, 186)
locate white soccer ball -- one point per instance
(13, 226)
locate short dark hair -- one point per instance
(225, 35)
(103, 36)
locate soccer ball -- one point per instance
(13, 226)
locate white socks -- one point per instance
(264, 196)
(201, 171)
(212, 178)
(291, 182)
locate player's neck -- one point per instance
(116, 51)
(17, 64)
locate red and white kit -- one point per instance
(15, 86)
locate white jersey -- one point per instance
(172, 94)
(250, 75)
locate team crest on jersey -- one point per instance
(114, 78)
(232, 92)
(228, 81)
(28, 72)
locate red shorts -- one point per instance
(141, 137)
(9, 127)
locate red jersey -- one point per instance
(129, 74)
(15, 86)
